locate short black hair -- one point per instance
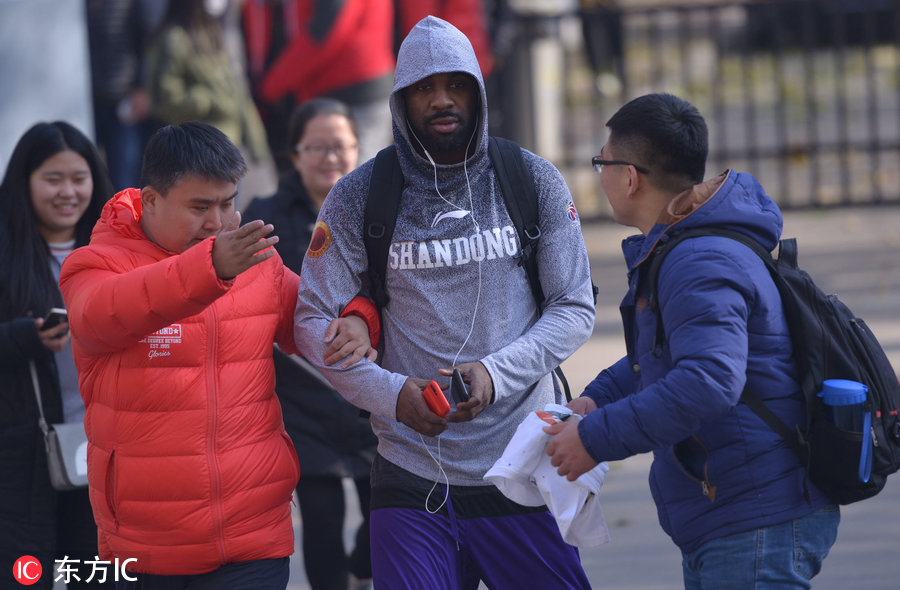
(666, 134)
(190, 149)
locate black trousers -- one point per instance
(59, 525)
(261, 574)
(322, 509)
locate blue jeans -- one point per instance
(261, 574)
(782, 556)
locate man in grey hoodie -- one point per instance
(458, 298)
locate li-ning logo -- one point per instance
(458, 214)
(161, 341)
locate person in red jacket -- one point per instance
(173, 308)
(303, 49)
(466, 15)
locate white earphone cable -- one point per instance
(475, 225)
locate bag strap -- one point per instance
(794, 439)
(42, 421)
(382, 205)
(517, 187)
(661, 250)
(520, 196)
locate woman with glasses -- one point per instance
(332, 440)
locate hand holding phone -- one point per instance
(54, 317)
(458, 390)
(435, 399)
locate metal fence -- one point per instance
(804, 94)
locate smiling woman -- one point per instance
(60, 192)
(50, 199)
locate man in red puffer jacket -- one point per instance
(174, 308)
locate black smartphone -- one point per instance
(54, 317)
(458, 390)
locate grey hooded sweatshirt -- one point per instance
(456, 292)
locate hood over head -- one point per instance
(433, 46)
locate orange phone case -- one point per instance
(435, 399)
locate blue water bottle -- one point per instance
(845, 407)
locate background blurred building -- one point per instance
(45, 68)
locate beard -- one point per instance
(451, 143)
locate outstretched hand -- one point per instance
(238, 248)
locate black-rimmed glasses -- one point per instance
(599, 162)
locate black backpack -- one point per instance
(829, 342)
(516, 185)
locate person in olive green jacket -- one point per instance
(191, 77)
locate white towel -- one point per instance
(524, 475)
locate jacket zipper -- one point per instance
(212, 395)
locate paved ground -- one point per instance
(852, 252)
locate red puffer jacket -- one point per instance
(188, 462)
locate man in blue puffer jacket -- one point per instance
(728, 490)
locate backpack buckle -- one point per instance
(376, 230)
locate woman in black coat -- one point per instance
(51, 195)
(332, 440)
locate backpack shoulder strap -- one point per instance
(517, 187)
(520, 196)
(382, 205)
(661, 250)
(650, 279)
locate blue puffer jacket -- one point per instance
(717, 469)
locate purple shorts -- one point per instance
(478, 535)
